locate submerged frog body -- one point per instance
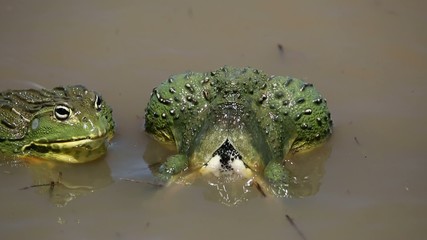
(236, 120)
(69, 124)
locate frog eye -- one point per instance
(98, 102)
(62, 112)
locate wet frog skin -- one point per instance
(237, 120)
(68, 124)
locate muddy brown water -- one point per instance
(368, 58)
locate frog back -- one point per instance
(180, 106)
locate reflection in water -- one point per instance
(230, 193)
(63, 182)
(307, 169)
(157, 152)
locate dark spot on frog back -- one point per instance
(279, 94)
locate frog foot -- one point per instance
(278, 178)
(173, 165)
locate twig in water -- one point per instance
(281, 49)
(291, 221)
(51, 184)
(357, 141)
(145, 182)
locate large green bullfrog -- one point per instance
(68, 124)
(236, 121)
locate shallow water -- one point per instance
(368, 58)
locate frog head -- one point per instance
(69, 124)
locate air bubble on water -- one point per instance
(61, 220)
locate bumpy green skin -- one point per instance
(264, 116)
(69, 124)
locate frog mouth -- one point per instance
(71, 151)
(226, 160)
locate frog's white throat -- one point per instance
(226, 160)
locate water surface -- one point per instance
(368, 58)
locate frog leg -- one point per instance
(278, 178)
(173, 165)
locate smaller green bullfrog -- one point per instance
(236, 121)
(68, 124)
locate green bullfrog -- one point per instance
(68, 124)
(236, 121)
